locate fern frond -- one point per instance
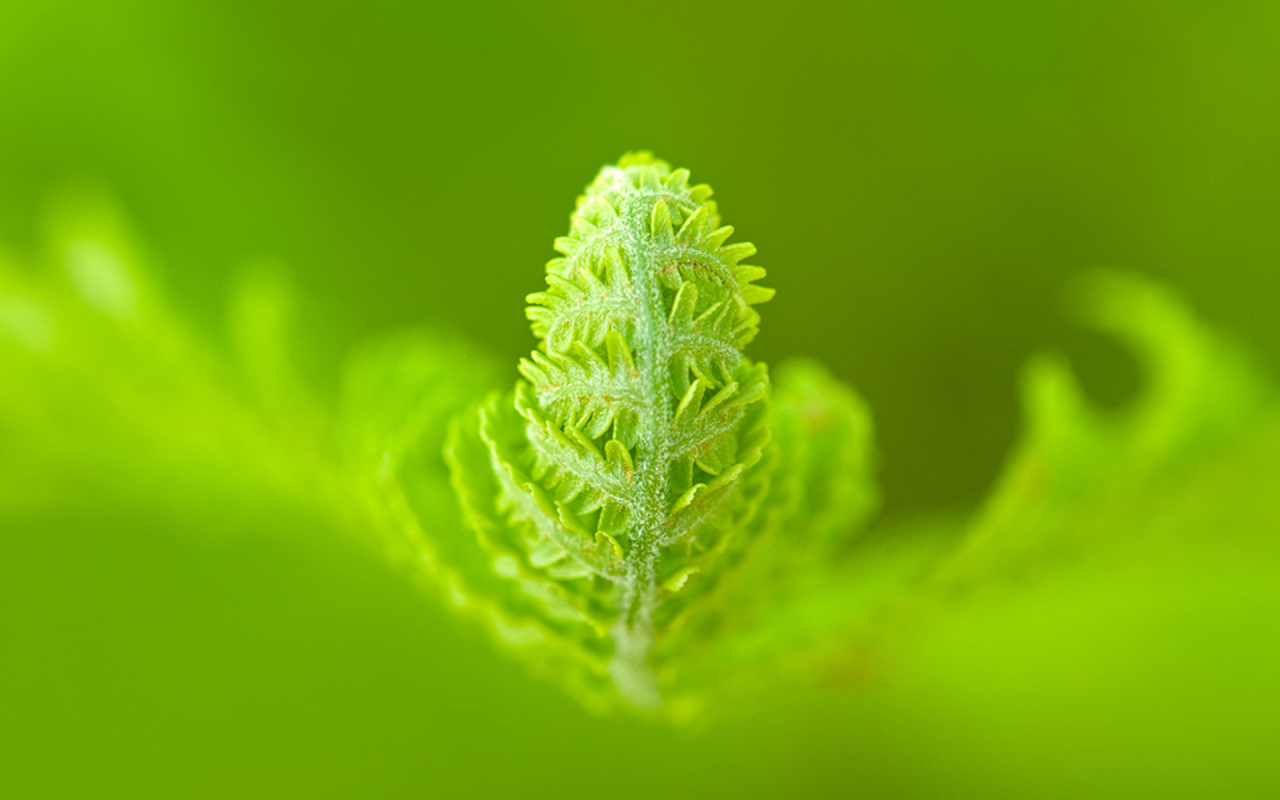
(632, 467)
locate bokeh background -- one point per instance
(922, 179)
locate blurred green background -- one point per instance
(921, 179)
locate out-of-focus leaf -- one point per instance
(1179, 483)
(105, 392)
(1084, 478)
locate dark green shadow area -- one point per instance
(920, 179)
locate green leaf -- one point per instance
(626, 506)
(105, 392)
(646, 518)
(1083, 477)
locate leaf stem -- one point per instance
(633, 633)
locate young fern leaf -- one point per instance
(622, 482)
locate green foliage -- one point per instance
(1085, 478)
(640, 490)
(106, 392)
(646, 518)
